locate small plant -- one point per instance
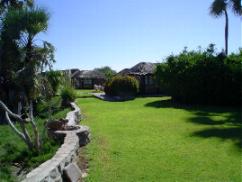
(67, 95)
(123, 86)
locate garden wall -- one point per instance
(62, 166)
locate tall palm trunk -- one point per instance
(226, 31)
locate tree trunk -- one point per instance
(24, 134)
(226, 31)
(36, 132)
(21, 135)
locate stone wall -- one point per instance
(62, 166)
(73, 116)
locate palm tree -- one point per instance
(19, 29)
(219, 8)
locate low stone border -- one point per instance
(73, 116)
(64, 159)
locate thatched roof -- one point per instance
(90, 74)
(124, 71)
(141, 68)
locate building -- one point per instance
(144, 73)
(86, 79)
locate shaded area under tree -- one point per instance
(229, 128)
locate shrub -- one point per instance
(55, 79)
(202, 77)
(45, 108)
(123, 86)
(67, 95)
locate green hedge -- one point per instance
(123, 86)
(202, 77)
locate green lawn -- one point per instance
(152, 139)
(13, 151)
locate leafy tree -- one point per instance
(21, 62)
(219, 8)
(107, 71)
(196, 77)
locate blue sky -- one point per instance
(120, 33)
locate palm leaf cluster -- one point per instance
(218, 7)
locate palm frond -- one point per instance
(217, 8)
(236, 7)
(36, 20)
(31, 21)
(13, 23)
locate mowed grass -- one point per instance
(152, 139)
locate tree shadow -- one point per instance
(225, 122)
(85, 96)
(230, 127)
(232, 133)
(167, 102)
(158, 104)
(232, 118)
(206, 121)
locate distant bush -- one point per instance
(123, 86)
(202, 77)
(107, 71)
(67, 95)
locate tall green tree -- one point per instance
(219, 8)
(21, 60)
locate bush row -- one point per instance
(202, 77)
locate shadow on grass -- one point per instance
(85, 96)
(230, 127)
(206, 121)
(167, 103)
(225, 122)
(232, 118)
(232, 133)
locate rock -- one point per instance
(54, 173)
(84, 136)
(59, 179)
(72, 173)
(84, 175)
